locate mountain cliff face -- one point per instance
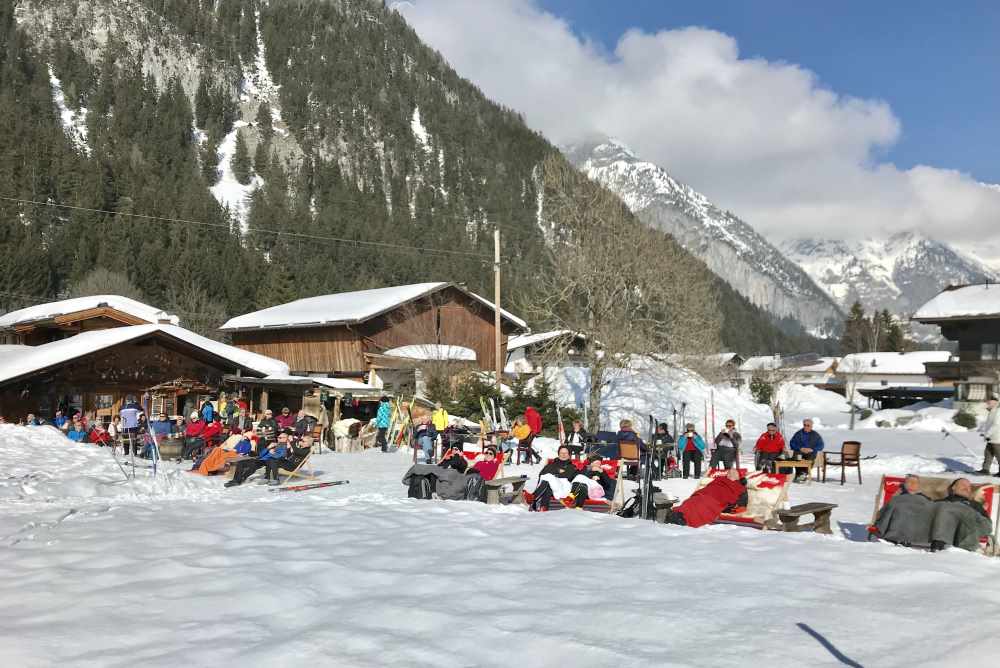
(729, 246)
(899, 273)
(286, 148)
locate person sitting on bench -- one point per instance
(555, 480)
(274, 450)
(705, 506)
(295, 454)
(805, 444)
(769, 447)
(959, 520)
(906, 518)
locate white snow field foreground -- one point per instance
(181, 572)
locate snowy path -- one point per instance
(358, 575)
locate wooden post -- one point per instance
(496, 303)
(263, 400)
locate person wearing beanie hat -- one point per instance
(194, 436)
(692, 448)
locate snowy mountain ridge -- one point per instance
(728, 245)
(898, 273)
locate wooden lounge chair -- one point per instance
(614, 468)
(766, 495)
(937, 488)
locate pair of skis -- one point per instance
(312, 485)
(495, 415)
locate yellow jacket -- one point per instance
(521, 432)
(440, 419)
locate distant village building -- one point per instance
(969, 315)
(872, 371)
(352, 334)
(527, 353)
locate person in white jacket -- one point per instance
(991, 432)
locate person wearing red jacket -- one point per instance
(706, 504)
(769, 447)
(194, 436)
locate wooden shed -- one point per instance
(345, 334)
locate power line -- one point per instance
(226, 226)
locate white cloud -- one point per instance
(764, 139)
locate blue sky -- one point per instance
(936, 63)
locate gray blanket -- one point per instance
(959, 525)
(450, 484)
(906, 519)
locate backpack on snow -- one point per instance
(421, 487)
(475, 487)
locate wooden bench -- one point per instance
(821, 517)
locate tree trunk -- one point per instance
(597, 372)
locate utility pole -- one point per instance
(496, 304)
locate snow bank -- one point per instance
(228, 190)
(929, 417)
(42, 465)
(658, 389)
(74, 122)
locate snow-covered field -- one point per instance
(102, 572)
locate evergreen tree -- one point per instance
(855, 330)
(264, 120)
(241, 164)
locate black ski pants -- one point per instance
(245, 469)
(689, 457)
(380, 439)
(191, 446)
(765, 461)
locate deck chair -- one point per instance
(525, 448)
(495, 486)
(766, 495)
(937, 488)
(615, 468)
(848, 457)
(297, 472)
(628, 454)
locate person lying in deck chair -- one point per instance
(294, 455)
(906, 519)
(706, 504)
(959, 520)
(483, 468)
(594, 483)
(274, 450)
(555, 480)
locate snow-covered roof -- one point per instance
(36, 358)
(882, 364)
(54, 309)
(523, 340)
(821, 365)
(345, 308)
(433, 351)
(341, 384)
(971, 301)
(761, 362)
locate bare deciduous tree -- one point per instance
(851, 371)
(197, 310)
(632, 291)
(101, 281)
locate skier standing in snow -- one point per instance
(382, 418)
(726, 444)
(991, 432)
(692, 448)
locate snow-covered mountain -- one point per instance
(729, 246)
(899, 273)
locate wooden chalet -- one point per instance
(970, 316)
(94, 371)
(351, 334)
(44, 323)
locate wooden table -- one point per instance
(805, 464)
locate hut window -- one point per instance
(990, 351)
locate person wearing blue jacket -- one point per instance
(692, 448)
(275, 450)
(382, 418)
(805, 444)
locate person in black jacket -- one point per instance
(268, 426)
(582, 491)
(578, 438)
(295, 455)
(554, 480)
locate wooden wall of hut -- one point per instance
(307, 349)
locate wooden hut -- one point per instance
(44, 323)
(96, 370)
(349, 334)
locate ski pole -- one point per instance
(960, 442)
